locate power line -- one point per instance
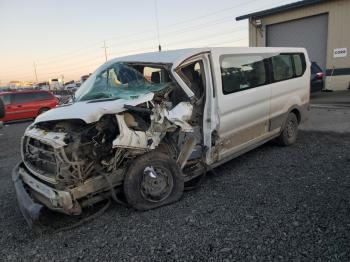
(79, 52)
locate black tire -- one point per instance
(289, 133)
(43, 110)
(153, 180)
(2, 108)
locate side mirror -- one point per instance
(2, 108)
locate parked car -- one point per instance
(27, 104)
(148, 136)
(42, 86)
(2, 111)
(317, 78)
(71, 85)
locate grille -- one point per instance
(40, 158)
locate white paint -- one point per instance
(181, 113)
(52, 138)
(129, 138)
(241, 112)
(90, 112)
(340, 52)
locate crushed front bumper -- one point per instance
(30, 209)
(33, 195)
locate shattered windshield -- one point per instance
(123, 81)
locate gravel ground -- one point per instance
(272, 204)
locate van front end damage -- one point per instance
(123, 132)
(68, 164)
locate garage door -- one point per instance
(310, 32)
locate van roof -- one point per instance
(176, 57)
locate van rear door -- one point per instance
(290, 85)
(243, 97)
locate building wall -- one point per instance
(338, 36)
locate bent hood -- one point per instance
(90, 111)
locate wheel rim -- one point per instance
(157, 184)
(291, 129)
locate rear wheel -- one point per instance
(290, 131)
(153, 180)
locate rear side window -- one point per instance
(282, 66)
(23, 98)
(241, 72)
(288, 65)
(298, 65)
(6, 99)
(42, 96)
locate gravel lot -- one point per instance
(272, 203)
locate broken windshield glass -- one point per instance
(121, 81)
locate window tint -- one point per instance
(298, 65)
(241, 72)
(23, 98)
(282, 67)
(6, 99)
(42, 96)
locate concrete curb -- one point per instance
(339, 106)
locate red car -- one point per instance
(26, 104)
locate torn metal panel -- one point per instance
(186, 151)
(180, 114)
(54, 138)
(129, 138)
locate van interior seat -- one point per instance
(155, 77)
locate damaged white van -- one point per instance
(146, 124)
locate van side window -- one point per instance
(42, 96)
(23, 98)
(241, 72)
(193, 75)
(299, 64)
(6, 99)
(282, 67)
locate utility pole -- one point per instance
(157, 25)
(36, 76)
(105, 48)
(62, 79)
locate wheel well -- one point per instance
(297, 113)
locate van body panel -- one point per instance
(206, 106)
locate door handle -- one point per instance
(19, 106)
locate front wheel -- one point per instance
(153, 180)
(290, 131)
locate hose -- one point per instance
(111, 188)
(86, 219)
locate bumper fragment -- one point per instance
(30, 210)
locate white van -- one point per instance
(147, 124)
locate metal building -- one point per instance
(321, 26)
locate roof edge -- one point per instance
(280, 9)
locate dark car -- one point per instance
(317, 78)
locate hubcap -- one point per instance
(157, 184)
(290, 129)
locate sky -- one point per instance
(64, 38)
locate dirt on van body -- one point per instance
(273, 203)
